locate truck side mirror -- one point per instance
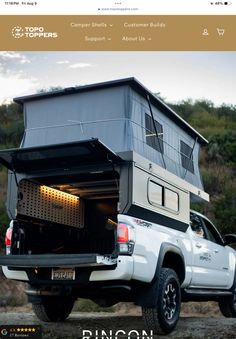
(229, 239)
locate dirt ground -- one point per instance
(198, 320)
(190, 325)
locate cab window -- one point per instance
(197, 226)
(212, 233)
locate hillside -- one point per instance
(218, 158)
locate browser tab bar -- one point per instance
(124, 7)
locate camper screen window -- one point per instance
(153, 140)
(186, 156)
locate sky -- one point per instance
(176, 76)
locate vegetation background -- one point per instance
(217, 160)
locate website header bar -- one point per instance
(118, 33)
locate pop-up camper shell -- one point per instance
(92, 152)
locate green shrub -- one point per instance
(225, 211)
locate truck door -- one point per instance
(220, 255)
(210, 257)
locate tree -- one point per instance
(225, 211)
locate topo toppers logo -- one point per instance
(32, 32)
(17, 32)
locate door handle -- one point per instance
(198, 245)
(216, 251)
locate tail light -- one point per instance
(125, 238)
(8, 239)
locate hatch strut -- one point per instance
(114, 171)
(155, 129)
(15, 176)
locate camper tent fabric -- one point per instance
(117, 117)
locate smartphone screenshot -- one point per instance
(117, 169)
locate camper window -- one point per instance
(171, 200)
(153, 140)
(159, 195)
(155, 194)
(186, 156)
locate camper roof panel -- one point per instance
(135, 85)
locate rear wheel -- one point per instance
(228, 305)
(164, 317)
(53, 309)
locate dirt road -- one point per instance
(188, 327)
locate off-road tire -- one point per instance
(163, 318)
(228, 305)
(53, 309)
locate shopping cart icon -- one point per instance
(221, 31)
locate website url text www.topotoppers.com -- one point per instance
(122, 9)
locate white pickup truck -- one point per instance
(99, 196)
(154, 266)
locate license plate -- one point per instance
(63, 274)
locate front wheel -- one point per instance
(53, 309)
(228, 305)
(163, 318)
